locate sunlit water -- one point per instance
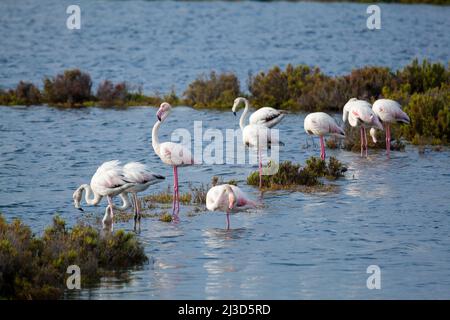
(392, 213)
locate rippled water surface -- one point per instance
(163, 44)
(392, 213)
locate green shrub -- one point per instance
(34, 267)
(422, 77)
(71, 88)
(216, 91)
(430, 116)
(291, 175)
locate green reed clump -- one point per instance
(166, 197)
(291, 175)
(33, 267)
(214, 91)
(165, 217)
(71, 88)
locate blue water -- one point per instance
(163, 44)
(392, 213)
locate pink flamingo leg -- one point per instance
(260, 167)
(176, 193)
(388, 140)
(228, 220)
(362, 140)
(322, 148)
(111, 208)
(366, 147)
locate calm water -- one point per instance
(392, 213)
(160, 44)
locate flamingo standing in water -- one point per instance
(108, 181)
(321, 124)
(170, 153)
(389, 111)
(139, 174)
(228, 198)
(359, 114)
(266, 116)
(256, 134)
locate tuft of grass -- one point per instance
(165, 217)
(166, 197)
(33, 267)
(290, 175)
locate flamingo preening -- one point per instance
(108, 181)
(359, 114)
(170, 153)
(322, 124)
(389, 111)
(228, 198)
(266, 116)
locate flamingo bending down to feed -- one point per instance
(254, 135)
(265, 116)
(142, 177)
(389, 111)
(359, 114)
(108, 181)
(228, 198)
(173, 154)
(321, 124)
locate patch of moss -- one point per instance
(33, 267)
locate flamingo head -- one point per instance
(375, 122)
(373, 134)
(77, 195)
(231, 196)
(163, 111)
(236, 103)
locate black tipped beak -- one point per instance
(81, 209)
(234, 113)
(159, 118)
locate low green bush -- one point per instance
(215, 91)
(33, 267)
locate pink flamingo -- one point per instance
(256, 135)
(228, 198)
(359, 114)
(108, 181)
(389, 111)
(321, 124)
(170, 153)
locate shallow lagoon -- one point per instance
(392, 213)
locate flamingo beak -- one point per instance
(159, 114)
(234, 113)
(81, 209)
